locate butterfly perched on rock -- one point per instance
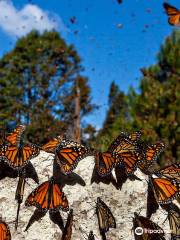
(165, 190)
(174, 223)
(105, 217)
(173, 14)
(68, 153)
(151, 153)
(123, 150)
(141, 223)
(48, 196)
(68, 227)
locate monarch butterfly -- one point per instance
(48, 196)
(105, 217)
(68, 227)
(173, 13)
(145, 223)
(18, 156)
(165, 190)
(151, 154)
(123, 150)
(52, 144)
(69, 153)
(174, 223)
(171, 172)
(91, 236)
(14, 137)
(4, 231)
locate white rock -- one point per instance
(123, 204)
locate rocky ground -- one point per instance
(131, 198)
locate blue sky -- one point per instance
(108, 53)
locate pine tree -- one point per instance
(37, 78)
(156, 109)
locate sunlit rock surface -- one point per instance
(123, 204)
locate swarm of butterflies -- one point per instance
(125, 154)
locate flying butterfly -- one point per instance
(48, 196)
(18, 156)
(123, 150)
(173, 14)
(165, 190)
(51, 146)
(69, 153)
(146, 223)
(4, 231)
(105, 217)
(151, 154)
(14, 137)
(171, 172)
(68, 227)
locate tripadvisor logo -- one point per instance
(140, 231)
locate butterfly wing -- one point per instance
(69, 153)
(171, 172)
(105, 163)
(165, 190)
(146, 223)
(14, 137)
(48, 196)
(106, 219)
(18, 157)
(125, 146)
(173, 13)
(68, 228)
(174, 223)
(151, 154)
(4, 231)
(51, 146)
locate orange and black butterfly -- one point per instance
(18, 156)
(165, 190)
(51, 146)
(171, 172)
(173, 14)
(14, 152)
(105, 217)
(14, 137)
(151, 154)
(69, 153)
(4, 231)
(123, 150)
(141, 223)
(68, 227)
(48, 196)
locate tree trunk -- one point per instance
(77, 118)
